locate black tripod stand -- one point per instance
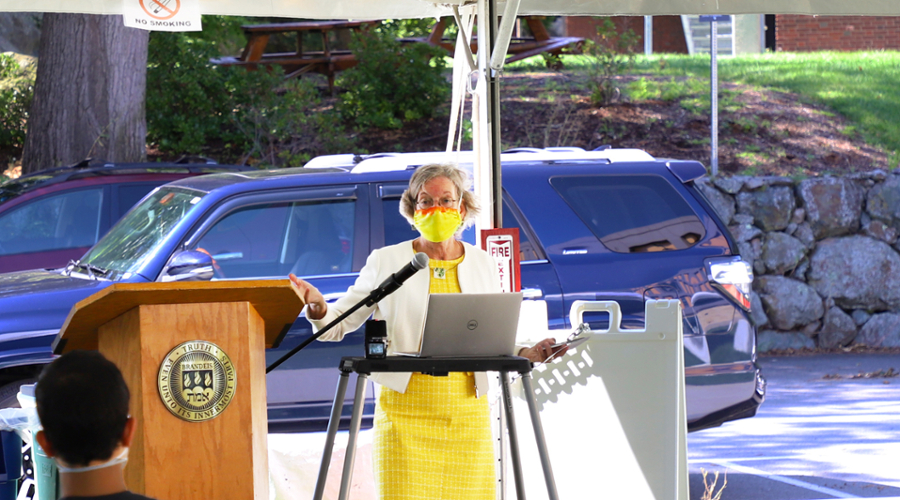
(436, 366)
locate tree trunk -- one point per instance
(89, 92)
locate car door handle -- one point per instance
(532, 293)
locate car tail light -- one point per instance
(733, 276)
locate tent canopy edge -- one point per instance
(413, 9)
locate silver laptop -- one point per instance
(469, 325)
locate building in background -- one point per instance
(668, 33)
(808, 33)
(743, 34)
(752, 34)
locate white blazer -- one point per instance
(404, 310)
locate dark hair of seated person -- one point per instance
(82, 401)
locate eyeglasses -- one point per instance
(426, 203)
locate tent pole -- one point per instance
(493, 98)
(714, 89)
(714, 97)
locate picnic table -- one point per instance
(520, 47)
(327, 58)
(327, 61)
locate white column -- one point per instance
(648, 35)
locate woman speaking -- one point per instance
(432, 434)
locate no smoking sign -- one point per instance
(162, 15)
(161, 9)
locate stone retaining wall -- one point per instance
(824, 253)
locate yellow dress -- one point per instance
(434, 441)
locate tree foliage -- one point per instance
(394, 82)
(257, 115)
(16, 94)
(191, 101)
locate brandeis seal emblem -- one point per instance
(196, 381)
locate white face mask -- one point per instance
(121, 459)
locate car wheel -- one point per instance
(27, 485)
(9, 391)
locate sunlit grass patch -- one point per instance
(860, 86)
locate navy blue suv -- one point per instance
(605, 225)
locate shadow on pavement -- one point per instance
(748, 486)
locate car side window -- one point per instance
(396, 228)
(527, 250)
(65, 220)
(129, 194)
(632, 213)
(272, 240)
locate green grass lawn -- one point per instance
(864, 87)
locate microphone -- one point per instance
(393, 282)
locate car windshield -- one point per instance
(135, 238)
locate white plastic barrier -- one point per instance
(23, 421)
(613, 412)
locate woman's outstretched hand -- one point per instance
(316, 306)
(543, 350)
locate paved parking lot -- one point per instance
(820, 434)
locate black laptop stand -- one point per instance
(433, 366)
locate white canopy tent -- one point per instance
(485, 92)
(400, 9)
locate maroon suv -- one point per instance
(50, 217)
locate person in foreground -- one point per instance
(432, 434)
(82, 402)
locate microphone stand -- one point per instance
(374, 296)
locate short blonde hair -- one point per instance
(459, 177)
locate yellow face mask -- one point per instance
(437, 224)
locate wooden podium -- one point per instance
(222, 452)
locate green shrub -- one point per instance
(192, 103)
(291, 126)
(411, 28)
(393, 82)
(612, 54)
(16, 93)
